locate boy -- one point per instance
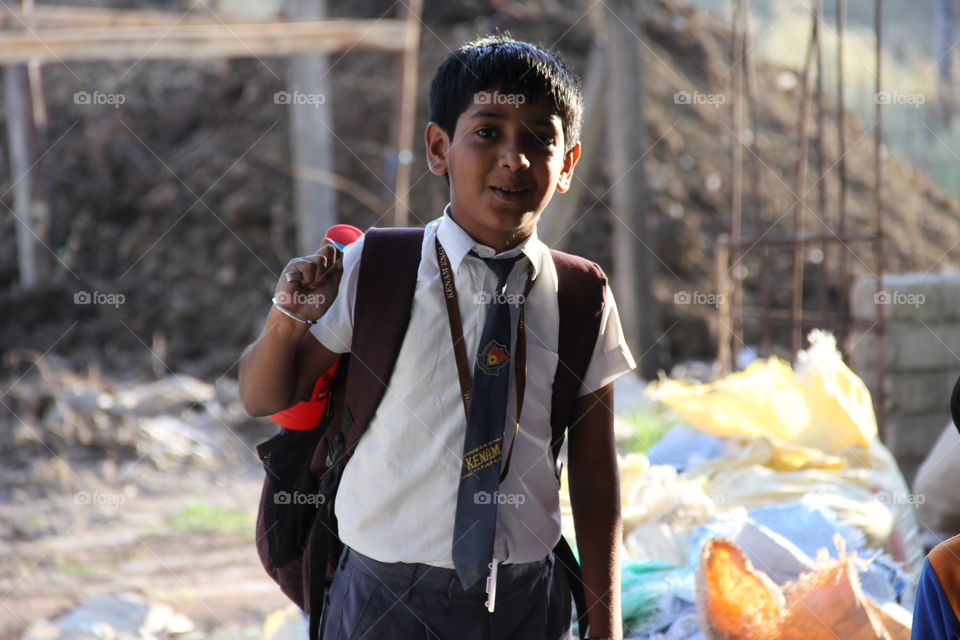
(504, 131)
(936, 609)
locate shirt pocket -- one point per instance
(538, 396)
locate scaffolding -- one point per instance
(32, 36)
(837, 242)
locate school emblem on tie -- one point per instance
(492, 358)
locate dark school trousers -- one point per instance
(372, 600)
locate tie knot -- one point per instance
(502, 267)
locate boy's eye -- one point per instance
(485, 132)
(544, 140)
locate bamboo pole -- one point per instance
(405, 116)
(881, 330)
(736, 182)
(564, 209)
(800, 206)
(842, 176)
(201, 40)
(46, 16)
(311, 134)
(30, 206)
(633, 243)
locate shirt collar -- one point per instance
(458, 243)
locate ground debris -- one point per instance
(65, 418)
(121, 616)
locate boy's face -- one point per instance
(505, 161)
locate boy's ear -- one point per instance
(437, 143)
(570, 159)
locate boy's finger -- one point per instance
(332, 272)
(300, 271)
(327, 242)
(333, 254)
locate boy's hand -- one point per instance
(308, 285)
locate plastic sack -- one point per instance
(654, 595)
(736, 601)
(659, 509)
(822, 405)
(861, 488)
(937, 481)
(289, 623)
(682, 447)
(780, 559)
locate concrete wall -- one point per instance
(922, 356)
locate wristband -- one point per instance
(291, 314)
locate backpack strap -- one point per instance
(381, 313)
(581, 296)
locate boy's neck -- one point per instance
(497, 241)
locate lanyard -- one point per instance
(456, 333)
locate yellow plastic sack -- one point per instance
(822, 405)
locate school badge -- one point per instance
(492, 358)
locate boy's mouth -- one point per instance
(510, 193)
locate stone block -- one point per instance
(912, 437)
(910, 347)
(921, 392)
(906, 297)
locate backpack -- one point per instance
(296, 533)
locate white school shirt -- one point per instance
(398, 495)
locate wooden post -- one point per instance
(403, 126)
(633, 244)
(311, 135)
(880, 328)
(30, 207)
(726, 313)
(734, 303)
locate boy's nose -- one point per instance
(513, 158)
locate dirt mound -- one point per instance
(689, 171)
(179, 200)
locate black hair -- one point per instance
(500, 63)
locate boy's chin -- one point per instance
(509, 219)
